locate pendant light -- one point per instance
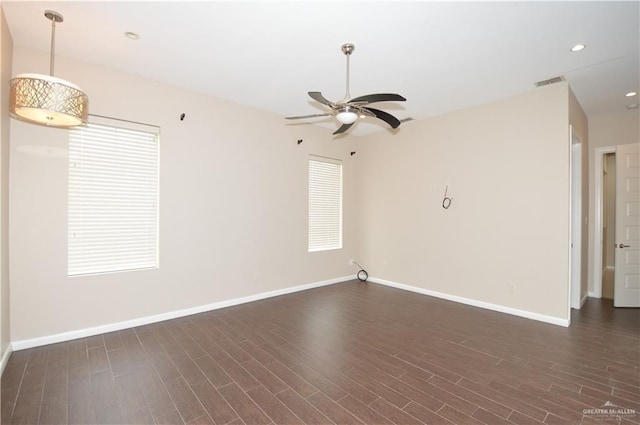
(45, 99)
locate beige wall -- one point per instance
(6, 56)
(618, 128)
(228, 170)
(580, 128)
(233, 206)
(505, 238)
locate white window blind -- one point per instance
(113, 198)
(325, 204)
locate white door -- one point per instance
(627, 268)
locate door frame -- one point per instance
(575, 240)
(598, 197)
(576, 172)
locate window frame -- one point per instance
(138, 154)
(314, 238)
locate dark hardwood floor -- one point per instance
(349, 353)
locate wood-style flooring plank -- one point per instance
(302, 408)
(273, 407)
(248, 411)
(217, 408)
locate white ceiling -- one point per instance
(442, 56)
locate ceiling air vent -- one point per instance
(549, 81)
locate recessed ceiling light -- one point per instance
(131, 35)
(578, 47)
(631, 94)
(632, 106)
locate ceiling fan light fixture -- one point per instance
(45, 99)
(347, 116)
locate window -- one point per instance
(325, 204)
(113, 198)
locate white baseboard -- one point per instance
(82, 333)
(5, 358)
(495, 307)
(584, 300)
(592, 294)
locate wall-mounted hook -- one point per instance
(353, 153)
(446, 202)
(299, 141)
(182, 115)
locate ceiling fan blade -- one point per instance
(307, 116)
(343, 128)
(388, 118)
(318, 97)
(379, 97)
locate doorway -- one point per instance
(598, 224)
(608, 223)
(615, 225)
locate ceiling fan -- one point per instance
(348, 110)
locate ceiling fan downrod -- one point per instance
(347, 49)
